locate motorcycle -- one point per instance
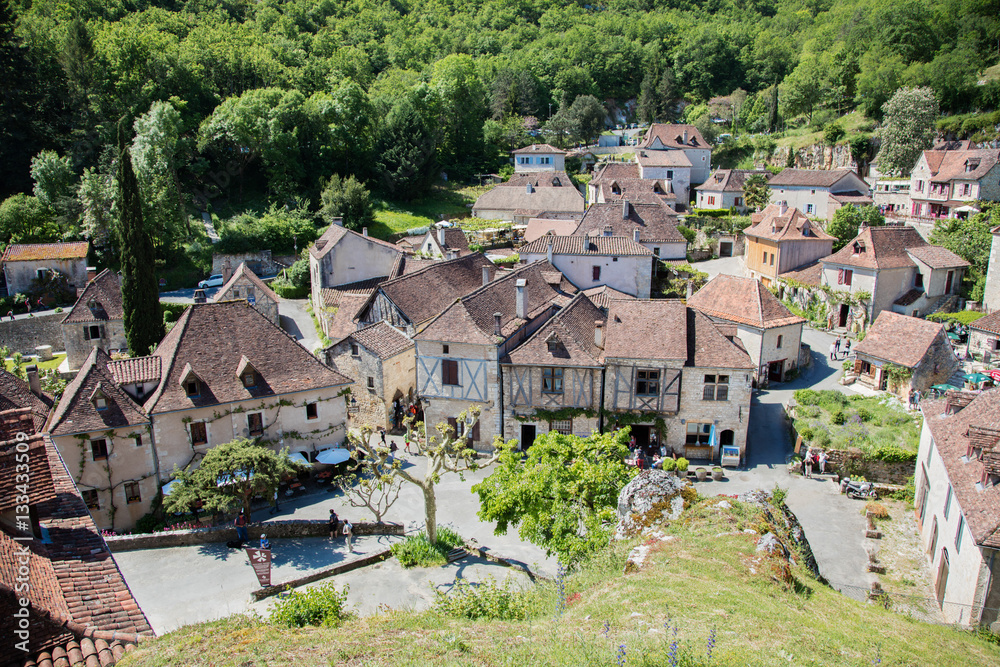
(857, 490)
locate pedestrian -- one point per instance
(10, 314)
(333, 523)
(407, 442)
(41, 306)
(833, 351)
(393, 448)
(807, 463)
(381, 431)
(822, 462)
(264, 542)
(27, 304)
(348, 533)
(274, 510)
(631, 443)
(847, 347)
(241, 527)
(837, 343)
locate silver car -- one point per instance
(213, 281)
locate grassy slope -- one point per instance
(699, 581)
(450, 200)
(42, 365)
(804, 136)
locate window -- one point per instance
(698, 434)
(444, 349)
(249, 379)
(92, 332)
(99, 449)
(920, 186)
(355, 350)
(958, 533)
(779, 342)
(711, 201)
(716, 388)
(132, 492)
(738, 201)
(312, 411)
(137, 439)
(597, 273)
(670, 175)
(371, 382)
(934, 537)
(552, 380)
(192, 388)
(772, 259)
(845, 276)
(524, 160)
(918, 280)
(92, 499)
(656, 251)
(647, 383)
(810, 208)
(564, 426)
(764, 259)
(947, 502)
(449, 372)
(101, 402)
(966, 189)
(255, 423)
(236, 292)
(199, 434)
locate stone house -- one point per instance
(559, 368)
(919, 346)
(780, 240)
(459, 352)
(656, 224)
(898, 269)
(957, 480)
(23, 405)
(943, 182)
(670, 369)
(539, 157)
(526, 195)
(445, 243)
(105, 436)
(724, 189)
(96, 320)
(25, 262)
(341, 257)
(819, 192)
(589, 261)
(991, 294)
(381, 360)
(770, 333)
(244, 284)
(984, 336)
(889, 193)
(411, 301)
(685, 138)
(616, 181)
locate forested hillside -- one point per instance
(230, 97)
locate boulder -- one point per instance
(652, 492)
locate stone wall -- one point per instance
(815, 156)
(261, 263)
(273, 529)
(24, 335)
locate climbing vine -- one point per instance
(562, 414)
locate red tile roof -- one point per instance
(539, 227)
(332, 236)
(101, 300)
(549, 191)
(15, 394)
(26, 252)
(243, 272)
(937, 257)
(990, 323)
(567, 339)
(382, 339)
(602, 296)
(656, 223)
(742, 300)
(585, 245)
(810, 274)
(961, 165)
(730, 180)
(792, 225)
(900, 339)
(135, 370)
(539, 148)
(672, 136)
(880, 248)
(818, 178)
(654, 158)
(77, 412)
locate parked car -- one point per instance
(213, 281)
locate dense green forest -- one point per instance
(227, 99)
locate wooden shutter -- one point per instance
(848, 276)
(86, 332)
(453, 423)
(475, 432)
(840, 276)
(857, 366)
(102, 331)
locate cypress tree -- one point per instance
(140, 296)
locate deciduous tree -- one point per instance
(348, 199)
(755, 192)
(907, 130)
(847, 220)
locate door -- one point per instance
(942, 578)
(774, 370)
(845, 310)
(725, 249)
(883, 382)
(726, 438)
(947, 282)
(641, 435)
(527, 436)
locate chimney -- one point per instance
(782, 207)
(635, 234)
(521, 308)
(690, 290)
(528, 188)
(548, 252)
(364, 231)
(624, 209)
(609, 230)
(486, 276)
(599, 333)
(496, 323)
(452, 254)
(685, 135)
(33, 382)
(441, 237)
(227, 271)
(91, 273)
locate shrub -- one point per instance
(807, 397)
(892, 453)
(486, 600)
(838, 417)
(149, 523)
(417, 551)
(510, 259)
(320, 605)
(172, 311)
(682, 464)
(806, 433)
(907, 493)
(866, 415)
(687, 233)
(877, 510)
(277, 230)
(669, 464)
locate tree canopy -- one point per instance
(847, 220)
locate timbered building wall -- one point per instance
(620, 386)
(477, 384)
(382, 309)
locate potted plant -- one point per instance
(717, 473)
(670, 466)
(682, 467)
(702, 473)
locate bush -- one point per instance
(510, 259)
(682, 464)
(806, 433)
(485, 600)
(320, 605)
(866, 415)
(149, 523)
(877, 510)
(172, 311)
(277, 230)
(417, 551)
(892, 453)
(711, 212)
(807, 397)
(687, 233)
(838, 417)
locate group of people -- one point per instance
(814, 458)
(334, 524)
(650, 456)
(840, 346)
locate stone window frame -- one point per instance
(371, 382)
(552, 378)
(314, 408)
(449, 373)
(92, 332)
(137, 439)
(563, 426)
(203, 427)
(251, 429)
(92, 498)
(99, 449)
(133, 494)
(355, 350)
(715, 388)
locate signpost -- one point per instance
(260, 559)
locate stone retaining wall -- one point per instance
(274, 589)
(274, 530)
(852, 463)
(24, 335)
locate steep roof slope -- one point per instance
(742, 300)
(899, 339)
(100, 301)
(567, 339)
(77, 411)
(15, 394)
(656, 223)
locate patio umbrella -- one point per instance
(239, 477)
(944, 387)
(995, 374)
(952, 335)
(977, 378)
(300, 457)
(169, 487)
(333, 456)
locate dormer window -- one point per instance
(99, 398)
(246, 372)
(858, 247)
(971, 165)
(553, 343)
(190, 381)
(615, 189)
(249, 380)
(556, 183)
(191, 388)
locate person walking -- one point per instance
(837, 343)
(275, 509)
(348, 534)
(241, 527)
(381, 432)
(10, 314)
(847, 347)
(833, 351)
(807, 463)
(333, 523)
(821, 457)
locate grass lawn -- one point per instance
(797, 138)
(871, 424)
(52, 363)
(450, 201)
(706, 581)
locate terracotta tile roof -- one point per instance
(792, 225)
(638, 191)
(602, 296)
(332, 236)
(961, 165)
(937, 257)
(654, 158)
(989, 323)
(810, 274)
(851, 197)
(881, 248)
(656, 223)
(730, 180)
(344, 320)
(213, 338)
(672, 136)
(616, 171)
(742, 300)
(818, 178)
(243, 272)
(980, 503)
(77, 412)
(412, 241)
(27, 252)
(643, 329)
(899, 339)
(454, 239)
(471, 320)
(710, 346)
(567, 339)
(585, 245)
(382, 339)
(549, 191)
(81, 608)
(15, 394)
(412, 265)
(539, 148)
(425, 293)
(135, 370)
(101, 300)
(539, 227)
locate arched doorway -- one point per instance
(727, 437)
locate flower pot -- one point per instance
(702, 474)
(717, 474)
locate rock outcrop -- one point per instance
(651, 497)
